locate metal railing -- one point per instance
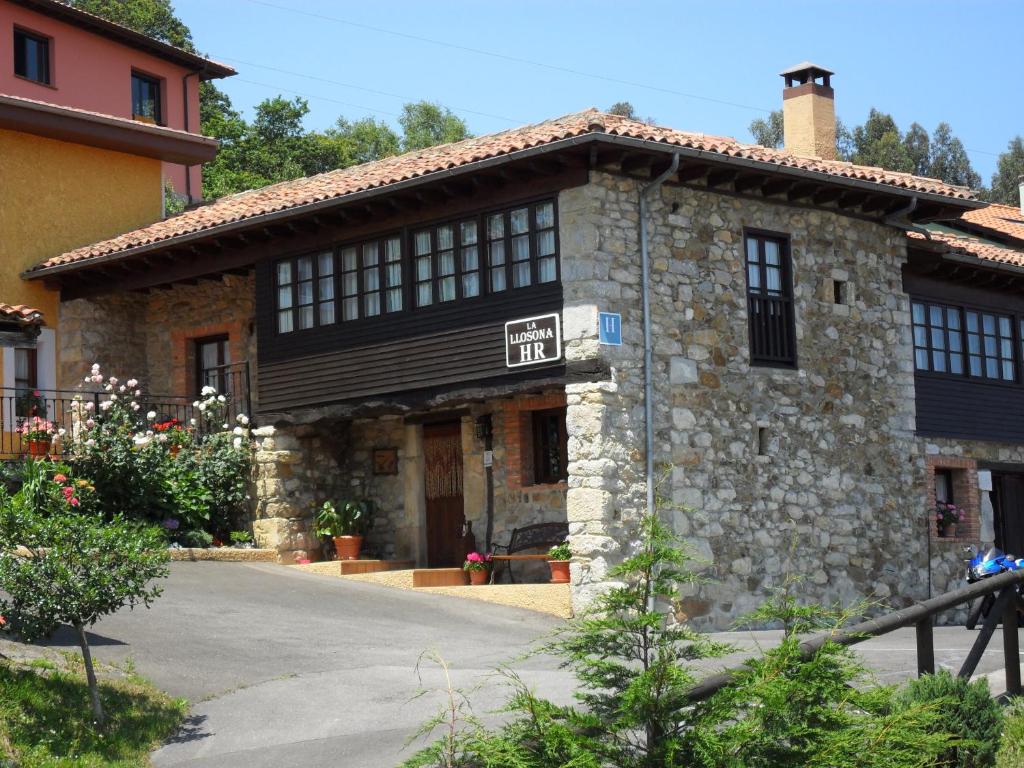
(922, 617)
(62, 409)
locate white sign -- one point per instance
(488, 458)
(533, 340)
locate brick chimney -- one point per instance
(809, 111)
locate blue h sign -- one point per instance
(610, 328)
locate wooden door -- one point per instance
(442, 453)
(1009, 513)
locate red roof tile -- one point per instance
(1004, 219)
(973, 247)
(19, 313)
(381, 173)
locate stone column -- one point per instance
(284, 513)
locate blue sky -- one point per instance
(923, 60)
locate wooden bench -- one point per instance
(537, 536)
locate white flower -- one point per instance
(135, 406)
(192, 422)
(242, 419)
(208, 390)
(149, 432)
(90, 423)
(113, 380)
(142, 440)
(237, 442)
(97, 379)
(90, 442)
(132, 383)
(90, 406)
(88, 379)
(222, 399)
(202, 406)
(161, 438)
(95, 368)
(122, 388)
(237, 431)
(225, 426)
(138, 393)
(105, 405)
(151, 415)
(195, 403)
(109, 387)
(113, 397)
(62, 431)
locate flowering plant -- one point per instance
(560, 552)
(37, 428)
(947, 514)
(477, 562)
(171, 432)
(31, 403)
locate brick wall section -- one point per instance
(516, 416)
(965, 494)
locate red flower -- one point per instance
(60, 478)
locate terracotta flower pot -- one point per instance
(348, 547)
(38, 447)
(477, 578)
(559, 571)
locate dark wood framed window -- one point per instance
(522, 247)
(943, 481)
(32, 56)
(213, 358)
(962, 341)
(446, 262)
(26, 369)
(365, 278)
(770, 310)
(146, 100)
(550, 446)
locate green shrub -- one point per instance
(968, 712)
(1011, 745)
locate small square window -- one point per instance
(839, 292)
(550, 446)
(32, 56)
(146, 99)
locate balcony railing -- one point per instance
(772, 335)
(62, 408)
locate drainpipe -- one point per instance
(184, 97)
(648, 343)
(893, 219)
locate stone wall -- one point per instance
(769, 473)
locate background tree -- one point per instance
(1009, 169)
(425, 124)
(155, 18)
(948, 159)
(768, 131)
(626, 109)
(79, 566)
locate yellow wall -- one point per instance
(56, 196)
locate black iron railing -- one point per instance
(66, 410)
(772, 331)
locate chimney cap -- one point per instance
(806, 66)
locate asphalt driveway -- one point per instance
(285, 667)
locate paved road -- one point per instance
(285, 667)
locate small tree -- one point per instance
(78, 567)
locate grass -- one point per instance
(45, 718)
(1011, 748)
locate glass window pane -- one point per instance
(918, 312)
(393, 249)
(348, 259)
(754, 276)
(498, 279)
(955, 341)
(990, 346)
(975, 365)
(935, 315)
(446, 289)
(921, 359)
(519, 221)
(470, 259)
(939, 361)
(423, 268)
(1004, 349)
(446, 263)
(284, 321)
(394, 275)
(370, 254)
(521, 275)
(952, 318)
(991, 369)
(371, 279)
(326, 312)
(394, 300)
(545, 215)
(372, 304)
(471, 285)
(284, 297)
(546, 243)
(1004, 326)
(988, 323)
(422, 242)
(423, 295)
(326, 288)
(771, 252)
(547, 271)
(304, 268)
(350, 284)
(752, 253)
(920, 336)
(973, 343)
(938, 338)
(495, 226)
(284, 273)
(305, 293)
(1007, 370)
(521, 248)
(774, 277)
(956, 364)
(325, 263)
(972, 321)
(444, 238)
(467, 232)
(350, 309)
(305, 317)
(496, 253)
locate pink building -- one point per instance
(70, 58)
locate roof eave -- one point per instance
(468, 168)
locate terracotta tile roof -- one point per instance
(381, 173)
(19, 313)
(1005, 219)
(971, 246)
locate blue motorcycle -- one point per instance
(982, 566)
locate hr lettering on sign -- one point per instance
(533, 340)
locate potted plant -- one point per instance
(478, 567)
(947, 517)
(37, 433)
(174, 434)
(346, 523)
(241, 539)
(558, 559)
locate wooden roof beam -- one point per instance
(776, 187)
(721, 178)
(692, 172)
(748, 182)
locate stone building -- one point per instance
(424, 331)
